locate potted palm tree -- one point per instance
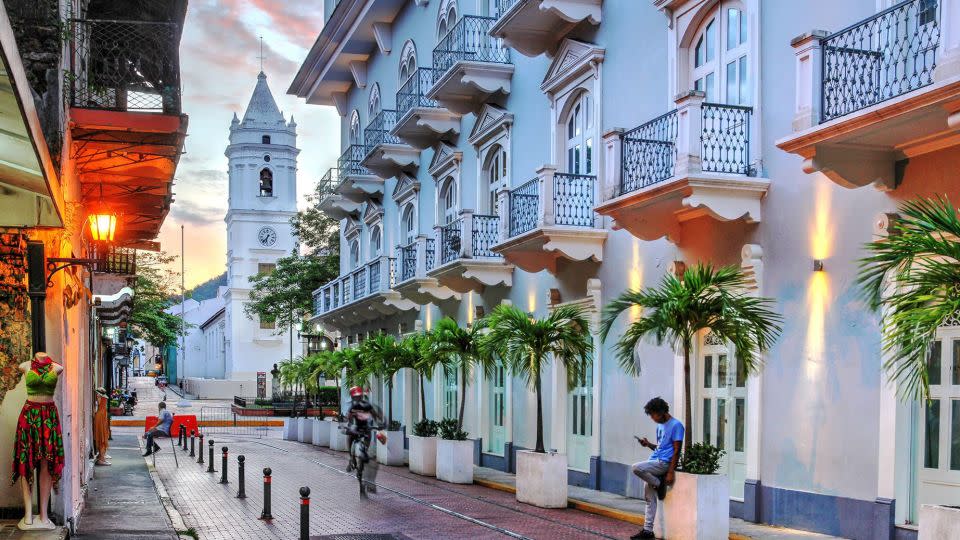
(291, 424)
(325, 365)
(385, 357)
(675, 312)
(460, 350)
(422, 454)
(526, 345)
(912, 276)
(350, 361)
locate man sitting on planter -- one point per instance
(658, 471)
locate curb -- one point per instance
(175, 518)
(134, 422)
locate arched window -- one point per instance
(376, 242)
(720, 55)
(496, 174)
(355, 136)
(373, 106)
(266, 183)
(354, 254)
(580, 135)
(265, 139)
(446, 17)
(408, 224)
(408, 61)
(448, 201)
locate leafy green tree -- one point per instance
(153, 291)
(285, 295)
(318, 233)
(384, 357)
(525, 345)
(913, 275)
(676, 310)
(460, 350)
(419, 346)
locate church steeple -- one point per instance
(262, 108)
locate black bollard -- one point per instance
(304, 513)
(185, 441)
(200, 459)
(210, 465)
(193, 434)
(241, 494)
(180, 436)
(266, 495)
(223, 473)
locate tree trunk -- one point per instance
(536, 383)
(423, 400)
(389, 402)
(463, 393)
(687, 400)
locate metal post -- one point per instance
(210, 464)
(193, 435)
(200, 459)
(223, 473)
(185, 441)
(180, 436)
(304, 513)
(241, 493)
(266, 495)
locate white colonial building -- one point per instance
(544, 152)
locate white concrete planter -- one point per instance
(455, 461)
(392, 452)
(423, 455)
(305, 430)
(697, 507)
(542, 479)
(321, 432)
(938, 522)
(338, 439)
(291, 429)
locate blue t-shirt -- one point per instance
(667, 433)
(166, 418)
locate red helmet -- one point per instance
(356, 391)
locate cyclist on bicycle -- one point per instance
(362, 417)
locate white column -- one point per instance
(689, 132)
(420, 271)
(466, 234)
(809, 79)
(752, 264)
(503, 211)
(612, 164)
(547, 211)
(948, 55)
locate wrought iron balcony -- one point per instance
(125, 66)
(880, 58)
(336, 200)
(114, 260)
(550, 218)
(414, 261)
(470, 65)
(690, 162)
(349, 161)
(467, 261)
(422, 120)
(357, 183)
(362, 294)
(877, 93)
(535, 27)
(386, 154)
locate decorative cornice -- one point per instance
(352, 227)
(574, 58)
(491, 121)
(373, 212)
(406, 187)
(445, 158)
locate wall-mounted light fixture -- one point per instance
(818, 265)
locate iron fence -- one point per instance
(328, 182)
(574, 199)
(226, 421)
(430, 253)
(524, 207)
(412, 92)
(880, 58)
(486, 234)
(125, 66)
(375, 275)
(349, 161)
(359, 283)
(451, 241)
(469, 40)
(725, 138)
(408, 261)
(649, 153)
(114, 260)
(377, 131)
(502, 6)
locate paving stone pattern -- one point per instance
(337, 509)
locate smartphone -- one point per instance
(638, 439)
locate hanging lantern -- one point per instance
(102, 226)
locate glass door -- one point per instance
(498, 432)
(938, 459)
(580, 422)
(722, 398)
(579, 146)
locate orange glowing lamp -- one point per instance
(102, 226)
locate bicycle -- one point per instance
(360, 451)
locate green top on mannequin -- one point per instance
(41, 378)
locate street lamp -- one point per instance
(103, 226)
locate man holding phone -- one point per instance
(658, 472)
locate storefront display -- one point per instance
(15, 334)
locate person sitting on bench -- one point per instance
(162, 429)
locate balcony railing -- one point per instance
(574, 199)
(502, 6)
(328, 182)
(469, 237)
(725, 139)
(373, 277)
(377, 131)
(125, 66)
(114, 260)
(451, 241)
(649, 153)
(486, 234)
(880, 58)
(349, 161)
(524, 207)
(413, 92)
(469, 40)
(408, 261)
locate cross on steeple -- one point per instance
(261, 57)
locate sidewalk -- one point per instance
(122, 502)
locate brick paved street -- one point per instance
(336, 507)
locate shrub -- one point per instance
(425, 428)
(328, 396)
(701, 458)
(449, 429)
(114, 403)
(393, 425)
(263, 402)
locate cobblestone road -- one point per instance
(407, 504)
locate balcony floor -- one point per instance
(425, 290)
(389, 160)
(535, 27)
(422, 127)
(544, 247)
(467, 85)
(372, 307)
(465, 275)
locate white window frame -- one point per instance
(491, 132)
(724, 55)
(579, 115)
(356, 134)
(448, 204)
(408, 235)
(374, 106)
(376, 242)
(408, 63)
(446, 17)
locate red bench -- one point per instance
(188, 421)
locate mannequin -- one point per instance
(39, 442)
(101, 428)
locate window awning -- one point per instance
(29, 192)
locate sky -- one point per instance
(219, 62)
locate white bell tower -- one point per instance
(262, 161)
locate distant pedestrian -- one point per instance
(658, 471)
(162, 429)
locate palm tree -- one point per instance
(460, 349)
(383, 358)
(914, 276)
(676, 310)
(525, 345)
(417, 348)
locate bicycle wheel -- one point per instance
(363, 488)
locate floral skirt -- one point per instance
(38, 438)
